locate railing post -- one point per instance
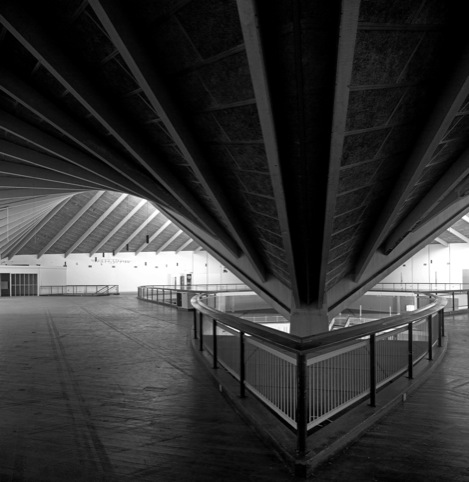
(201, 331)
(441, 319)
(430, 337)
(418, 300)
(215, 345)
(195, 324)
(242, 366)
(301, 417)
(373, 370)
(410, 356)
(453, 302)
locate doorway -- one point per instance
(4, 284)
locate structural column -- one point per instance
(308, 321)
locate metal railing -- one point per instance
(421, 287)
(79, 290)
(306, 381)
(180, 297)
(458, 300)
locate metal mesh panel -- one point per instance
(420, 339)
(271, 375)
(228, 349)
(336, 380)
(392, 351)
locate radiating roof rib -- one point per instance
(444, 111)
(117, 226)
(72, 221)
(152, 237)
(26, 31)
(139, 63)
(311, 150)
(132, 235)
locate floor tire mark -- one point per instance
(95, 451)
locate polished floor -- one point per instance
(109, 389)
(426, 439)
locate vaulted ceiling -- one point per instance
(87, 222)
(311, 146)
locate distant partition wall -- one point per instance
(23, 284)
(18, 284)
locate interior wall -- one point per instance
(46, 275)
(434, 264)
(125, 269)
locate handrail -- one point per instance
(197, 288)
(306, 344)
(432, 287)
(296, 377)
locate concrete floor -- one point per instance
(109, 389)
(425, 439)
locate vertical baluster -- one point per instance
(301, 418)
(290, 386)
(334, 361)
(310, 393)
(327, 367)
(430, 337)
(326, 397)
(280, 384)
(373, 370)
(336, 381)
(276, 379)
(323, 387)
(440, 325)
(215, 343)
(442, 314)
(242, 366)
(314, 379)
(201, 331)
(195, 324)
(410, 362)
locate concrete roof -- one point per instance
(311, 146)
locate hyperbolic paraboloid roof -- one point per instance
(311, 146)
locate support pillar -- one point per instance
(308, 321)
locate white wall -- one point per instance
(125, 269)
(47, 275)
(433, 264)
